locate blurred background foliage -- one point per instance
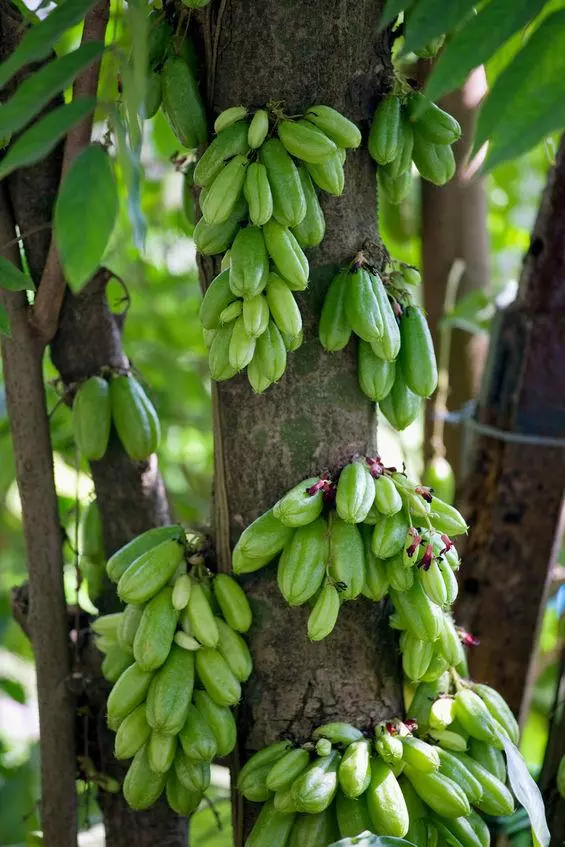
(163, 339)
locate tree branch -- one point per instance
(51, 290)
(47, 620)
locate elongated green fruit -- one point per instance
(362, 306)
(233, 602)
(298, 507)
(201, 617)
(195, 776)
(435, 162)
(289, 203)
(92, 418)
(311, 229)
(420, 755)
(306, 141)
(384, 136)
(347, 558)
(271, 827)
(219, 354)
(422, 616)
(389, 534)
(161, 750)
(433, 584)
(338, 733)
(323, 617)
(217, 298)
(229, 117)
(155, 632)
(283, 306)
(376, 579)
(336, 126)
(303, 563)
(142, 786)
(354, 772)
(286, 253)
(455, 769)
(255, 315)
(399, 577)
(223, 194)
(439, 792)
(182, 103)
(401, 406)
(170, 692)
(158, 38)
(269, 358)
(388, 345)
(335, 329)
(432, 123)
(211, 239)
(234, 650)
(132, 734)
(424, 696)
(286, 769)
(129, 623)
(128, 692)
(402, 162)
(352, 815)
(385, 801)
(496, 799)
(220, 720)
(180, 799)
(314, 830)
(258, 129)
(489, 757)
(196, 737)
(130, 417)
(376, 376)
(119, 562)
(396, 188)
(217, 678)
(475, 718)
(231, 141)
(329, 175)
(150, 572)
(252, 778)
(258, 194)
(417, 357)
(314, 790)
(416, 655)
(181, 592)
(499, 709)
(447, 519)
(355, 492)
(265, 537)
(242, 346)
(387, 498)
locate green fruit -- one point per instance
(286, 769)
(390, 749)
(119, 562)
(314, 790)
(217, 298)
(437, 667)
(283, 306)
(471, 831)
(402, 162)
(289, 203)
(153, 96)
(416, 656)
(447, 519)
(475, 718)
(439, 792)
(242, 346)
(323, 617)
(252, 778)
(305, 141)
(335, 330)
(376, 376)
(401, 407)
(131, 617)
(292, 342)
(355, 492)
(107, 625)
(155, 632)
(233, 602)
(435, 162)
(352, 815)
(439, 476)
(220, 720)
(425, 694)
(255, 315)
(158, 37)
(235, 651)
(202, 621)
(229, 117)
(286, 253)
(396, 188)
(271, 827)
(219, 355)
(262, 540)
(338, 733)
(433, 583)
(385, 802)
(182, 103)
(489, 757)
(416, 808)
(389, 534)
(303, 563)
(196, 738)
(142, 786)
(91, 542)
(258, 129)
(217, 678)
(347, 559)
(329, 175)
(449, 644)
(180, 799)
(311, 229)
(449, 581)
(92, 418)
(336, 126)
(115, 662)
(269, 362)
(420, 755)
(362, 305)
(496, 799)
(384, 137)
(211, 239)
(132, 734)
(161, 751)
(354, 772)
(128, 692)
(298, 507)
(283, 801)
(417, 357)
(499, 710)
(150, 572)
(181, 592)
(422, 617)
(258, 194)
(222, 195)
(195, 776)
(376, 578)
(453, 768)
(388, 345)
(131, 418)
(170, 692)
(314, 830)
(387, 498)
(432, 123)
(229, 142)
(441, 713)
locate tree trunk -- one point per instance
(454, 226)
(316, 418)
(514, 486)
(554, 752)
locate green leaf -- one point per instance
(392, 10)
(39, 40)
(5, 326)
(526, 102)
(37, 90)
(526, 791)
(85, 213)
(366, 839)
(12, 278)
(476, 42)
(13, 689)
(432, 18)
(41, 138)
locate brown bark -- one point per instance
(554, 752)
(513, 491)
(454, 227)
(316, 417)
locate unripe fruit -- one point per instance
(354, 772)
(263, 539)
(182, 103)
(286, 769)
(219, 354)
(242, 346)
(387, 498)
(257, 192)
(376, 376)
(282, 305)
(417, 356)
(92, 418)
(229, 117)
(329, 175)
(287, 254)
(475, 718)
(386, 804)
(432, 123)
(303, 563)
(323, 617)
(438, 475)
(384, 136)
(334, 329)
(336, 126)
(306, 141)
(362, 306)
(401, 406)
(314, 790)
(222, 195)
(311, 229)
(355, 492)
(396, 188)
(289, 203)
(134, 418)
(347, 559)
(299, 507)
(258, 129)
(233, 602)
(435, 162)
(256, 315)
(230, 142)
(389, 534)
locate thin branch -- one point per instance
(51, 290)
(47, 620)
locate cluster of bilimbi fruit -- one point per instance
(427, 779)
(176, 658)
(259, 201)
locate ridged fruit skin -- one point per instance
(233, 602)
(314, 790)
(312, 228)
(260, 542)
(211, 239)
(314, 830)
(92, 418)
(289, 203)
(396, 188)
(258, 129)
(234, 651)
(298, 507)
(401, 406)
(217, 298)
(324, 614)
(229, 142)
(352, 815)
(432, 123)
(155, 632)
(283, 307)
(340, 129)
(217, 678)
(334, 329)
(435, 162)
(286, 769)
(329, 175)
(355, 492)
(182, 103)
(196, 738)
(221, 721)
(180, 799)
(417, 356)
(385, 801)
(376, 376)
(306, 141)
(150, 572)
(354, 772)
(384, 136)
(347, 558)
(128, 692)
(170, 693)
(119, 562)
(132, 733)
(271, 827)
(229, 117)
(221, 197)
(134, 420)
(287, 255)
(142, 787)
(362, 306)
(257, 192)
(440, 793)
(303, 563)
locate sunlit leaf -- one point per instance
(12, 278)
(85, 214)
(526, 791)
(39, 39)
(37, 90)
(13, 689)
(42, 137)
(432, 18)
(476, 42)
(526, 102)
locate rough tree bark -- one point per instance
(316, 418)
(513, 490)
(454, 227)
